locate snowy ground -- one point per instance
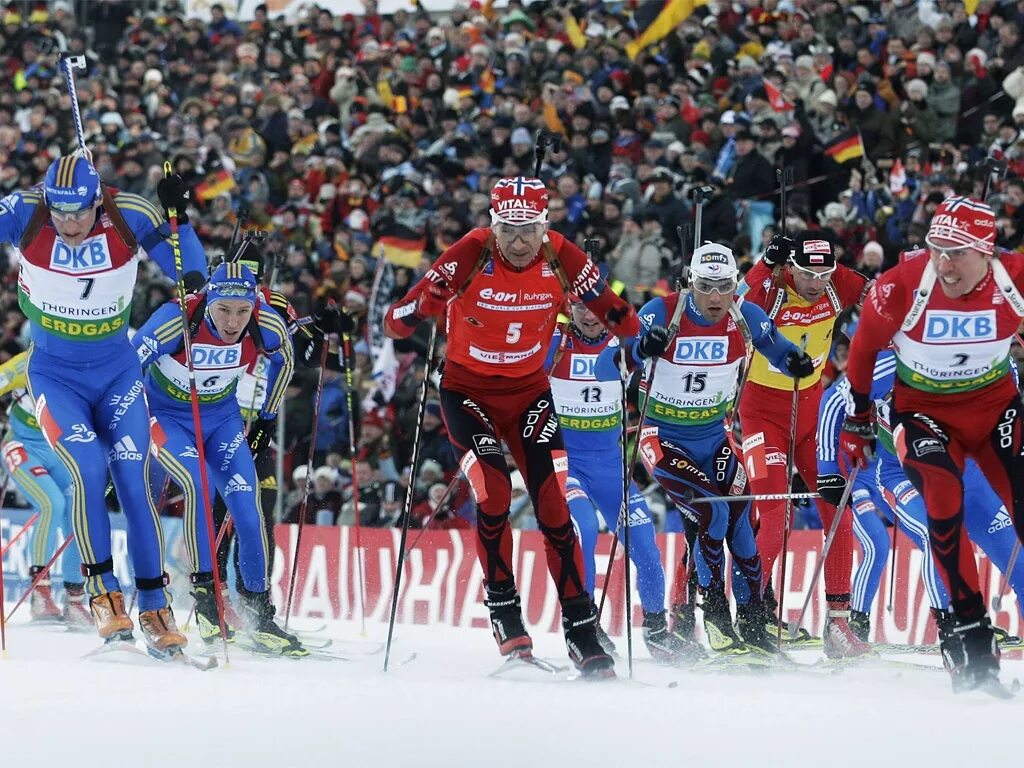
(441, 709)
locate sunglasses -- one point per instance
(67, 218)
(949, 253)
(810, 274)
(725, 287)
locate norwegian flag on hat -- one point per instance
(963, 222)
(519, 200)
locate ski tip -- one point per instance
(793, 630)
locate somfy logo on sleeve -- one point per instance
(957, 327)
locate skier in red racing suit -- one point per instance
(499, 290)
(951, 313)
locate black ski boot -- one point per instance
(602, 637)
(683, 621)
(718, 624)
(969, 652)
(666, 647)
(752, 622)
(207, 619)
(579, 619)
(860, 623)
(507, 620)
(266, 635)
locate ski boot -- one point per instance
(42, 607)
(112, 622)
(160, 631)
(840, 641)
(266, 635)
(752, 622)
(507, 620)
(683, 621)
(718, 624)
(666, 647)
(860, 623)
(207, 618)
(969, 652)
(803, 637)
(579, 619)
(1004, 639)
(75, 614)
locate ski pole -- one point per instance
(67, 65)
(307, 485)
(793, 626)
(39, 576)
(407, 510)
(627, 473)
(204, 481)
(447, 493)
(754, 497)
(3, 621)
(892, 567)
(350, 394)
(24, 529)
(997, 601)
(789, 502)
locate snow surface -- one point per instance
(441, 709)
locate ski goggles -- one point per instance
(811, 274)
(231, 291)
(723, 287)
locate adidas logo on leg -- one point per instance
(235, 484)
(125, 450)
(1000, 521)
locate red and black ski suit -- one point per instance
(954, 397)
(499, 322)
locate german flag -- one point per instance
(656, 19)
(215, 184)
(845, 147)
(402, 251)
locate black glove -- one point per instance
(333, 320)
(654, 343)
(260, 434)
(195, 281)
(778, 251)
(173, 193)
(799, 364)
(831, 488)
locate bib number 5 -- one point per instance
(515, 330)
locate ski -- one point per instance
(526, 660)
(177, 656)
(999, 690)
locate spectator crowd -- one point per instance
(343, 135)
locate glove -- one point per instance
(831, 488)
(334, 320)
(856, 441)
(622, 321)
(195, 281)
(778, 251)
(260, 433)
(654, 343)
(799, 364)
(433, 301)
(173, 193)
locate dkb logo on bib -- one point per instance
(582, 367)
(210, 356)
(91, 256)
(701, 349)
(957, 327)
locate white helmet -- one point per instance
(713, 262)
